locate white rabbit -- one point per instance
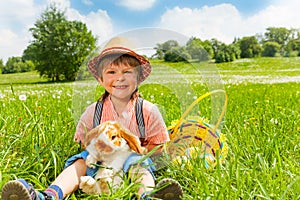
(110, 144)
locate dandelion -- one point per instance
(274, 121)
(22, 97)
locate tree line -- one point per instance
(59, 47)
(274, 43)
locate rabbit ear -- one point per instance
(132, 141)
(94, 133)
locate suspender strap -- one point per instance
(140, 117)
(138, 113)
(97, 113)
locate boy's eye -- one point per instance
(110, 72)
(128, 71)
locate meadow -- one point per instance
(262, 126)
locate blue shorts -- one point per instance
(133, 159)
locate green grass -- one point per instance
(262, 127)
(21, 78)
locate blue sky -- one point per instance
(205, 19)
(128, 17)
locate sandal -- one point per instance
(18, 189)
(168, 189)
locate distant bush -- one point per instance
(177, 54)
(1, 66)
(16, 65)
(270, 49)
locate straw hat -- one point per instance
(120, 45)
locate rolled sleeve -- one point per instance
(85, 123)
(156, 130)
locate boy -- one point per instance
(119, 70)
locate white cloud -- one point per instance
(98, 22)
(205, 23)
(280, 14)
(11, 44)
(87, 2)
(224, 22)
(62, 4)
(136, 4)
(17, 16)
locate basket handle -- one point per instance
(175, 129)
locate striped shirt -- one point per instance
(155, 128)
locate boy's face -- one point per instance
(119, 80)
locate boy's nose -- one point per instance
(120, 77)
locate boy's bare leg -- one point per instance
(145, 177)
(68, 180)
(166, 189)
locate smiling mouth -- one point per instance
(120, 86)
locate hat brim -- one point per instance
(145, 64)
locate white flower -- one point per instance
(274, 121)
(22, 97)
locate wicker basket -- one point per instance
(192, 136)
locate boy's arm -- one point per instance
(85, 124)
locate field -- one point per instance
(262, 126)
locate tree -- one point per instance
(215, 44)
(281, 36)
(161, 49)
(249, 47)
(270, 49)
(59, 46)
(1, 66)
(196, 50)
(225, 53)
(208, 48)
(292, 48)
(16, 64)
(177, 54)
(12, 66)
